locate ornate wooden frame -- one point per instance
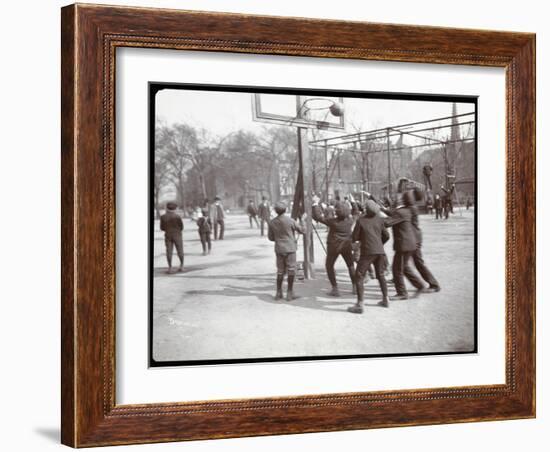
(90, 35)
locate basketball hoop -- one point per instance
(315, 112)
(319, 103)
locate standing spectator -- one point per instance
(448, 200)
(217, 214)
(172, 226)
(252, 213)
(205, 229)
(429, 204)
(282, 230)
(438, 206)
(468, 203)
(264, 212)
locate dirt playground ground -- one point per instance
(222, 306)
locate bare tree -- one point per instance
(161, 178)
(184, 148)
(275, 144)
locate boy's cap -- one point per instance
(280, 207)
(171, 206)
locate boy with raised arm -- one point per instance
(338, 241)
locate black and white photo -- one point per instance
(289, 224)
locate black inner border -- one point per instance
(154, 87)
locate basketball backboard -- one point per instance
(314, 112)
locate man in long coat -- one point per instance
(172, 225)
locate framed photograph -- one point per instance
(282, 225)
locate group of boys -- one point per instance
(210, 218)
(369, 231)
(442, 204)
(263, 212)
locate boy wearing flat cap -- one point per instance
(282, 230)
(172, 226)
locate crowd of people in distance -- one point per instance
(356, 231)
(442, 204)
(210, 218)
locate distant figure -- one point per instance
(371, 232)
(252, 213)
(468, 203)
(172, 226)
(427, 173)
(282, 230)
(217, 214)
(205, 229)
(429, 204)
(448, 200)
(438, 206)
(264, 212)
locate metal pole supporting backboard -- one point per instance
(389, 161)
(306, 187)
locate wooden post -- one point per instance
(305, 164)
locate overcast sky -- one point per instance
(225, 112)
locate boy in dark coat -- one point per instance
(338, 241)
(205, 229)
(172, 226)
(404, 244)
(418, 260)
(282, 230)
(371, 232)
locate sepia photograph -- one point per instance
(294, 224)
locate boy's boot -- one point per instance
(290, 292)
(279, 294)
